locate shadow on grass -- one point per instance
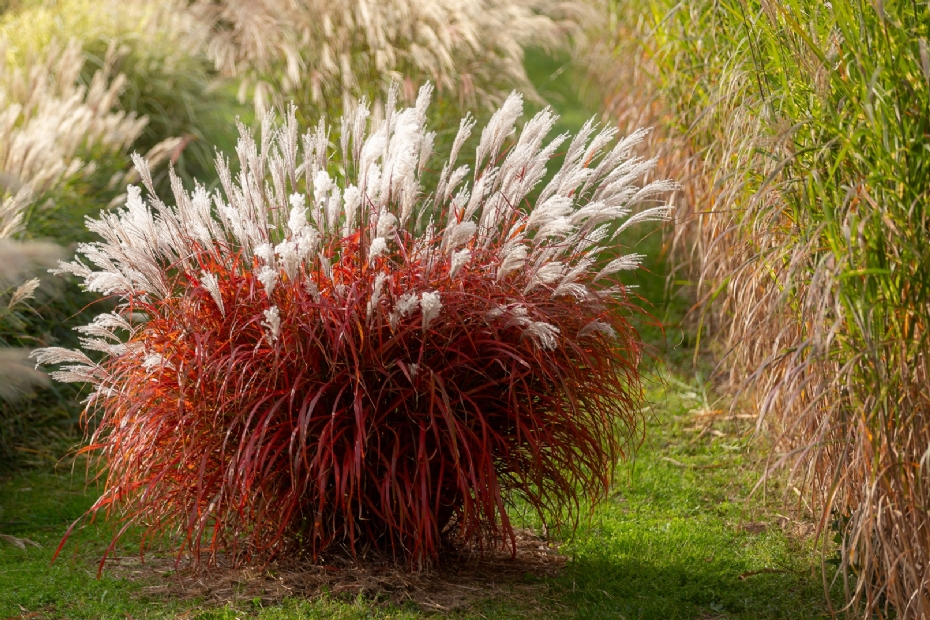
(632, 588)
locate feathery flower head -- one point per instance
(345, 354)
(326, 52)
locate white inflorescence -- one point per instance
(328, 50)
(272, 322)
(430, 306)
(292, 199)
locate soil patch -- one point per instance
(465, 577)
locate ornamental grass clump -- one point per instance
(50, 124)
(157, 48)
(324, 353)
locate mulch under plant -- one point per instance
(465, 577)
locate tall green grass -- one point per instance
(808, 230)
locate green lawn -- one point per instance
(677, 539)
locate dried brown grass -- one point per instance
(468, 578)
(837, 379)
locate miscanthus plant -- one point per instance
(324, 54)
(158, 50)
(49, 123)
(326, 352)
(810, 128)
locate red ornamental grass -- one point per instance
(327, 353)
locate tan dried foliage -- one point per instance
(822, 381)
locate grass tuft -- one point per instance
(382, 365)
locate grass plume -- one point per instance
(342, 356)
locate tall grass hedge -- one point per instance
(806, 228)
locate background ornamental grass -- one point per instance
(325, 56)
(49, 124)
(804, 129)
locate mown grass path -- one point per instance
(677, 539)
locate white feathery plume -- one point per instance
(103, 346)
(547, 273)
(513, 259)
(352, 200)
(387, 222)
(596, 327)
(655, 214)
(211, 284)
(272, 322)
(297, 221)
(545, 336)
(624, 263)
(24, 291)
(459, 234)
(60, 355)
(459, 260)
(377, 248)
(265, 251)
(104, 326)
(153, 361)
(370, 199)
(405, 305)
(376, 289)
(569, 284)
(500, 127)
(430, 307)
(288, 253)
(268, 276)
